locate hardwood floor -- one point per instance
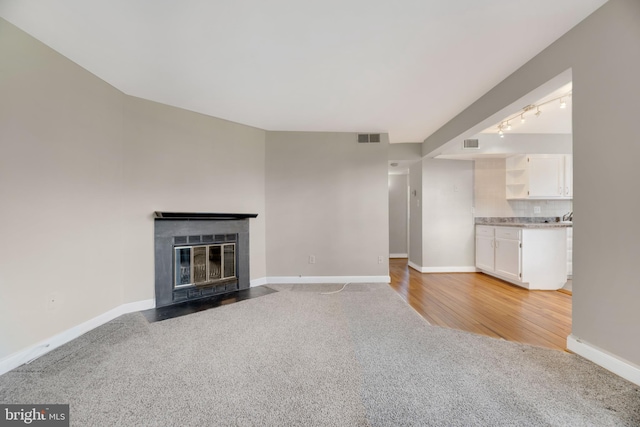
(482, 304)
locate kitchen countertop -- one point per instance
(529, 224)
(524, 222)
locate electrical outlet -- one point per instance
(312, 259)
(536, 209)
(380, 259)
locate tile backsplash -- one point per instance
(491, 200)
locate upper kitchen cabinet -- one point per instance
(539, 176)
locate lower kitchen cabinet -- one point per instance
(485, 253)
(534, 258)
(508, 253)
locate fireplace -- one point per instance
(198, 255)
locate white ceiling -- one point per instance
(405, 67)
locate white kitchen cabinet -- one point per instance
(539, 176)
(568, 176)
(534, 258)
(507, 252)
(485, 247)
(498, 250)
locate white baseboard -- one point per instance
(327, 279)
(618, 366)
(34, 351)
(415, 266)
(131, 307)
(452, 269)
(258, 282)
(398, 256)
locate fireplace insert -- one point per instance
(200, 255)
(204, 264)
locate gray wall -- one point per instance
(415, 214)
(405, 151)
(605, 60)
(327, 196)
(82, 168)
(447, 217)
(61, 165)
(177, 160)
(82, 162)
(398, 195)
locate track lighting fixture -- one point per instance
(506, 123)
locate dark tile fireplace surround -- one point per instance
(199, 255)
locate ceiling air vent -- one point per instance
(470, 144)
(364, 138)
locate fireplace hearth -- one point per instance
(198, 255)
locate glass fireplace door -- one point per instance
(199, 264)
(203, 265)
(182, 257)
(215, 263)
(229, 260)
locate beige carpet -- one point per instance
(296, 357)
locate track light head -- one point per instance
(563, 103)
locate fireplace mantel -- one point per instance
(203, 215)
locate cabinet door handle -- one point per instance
(497, 243)
(560, 190)
(492, 245)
